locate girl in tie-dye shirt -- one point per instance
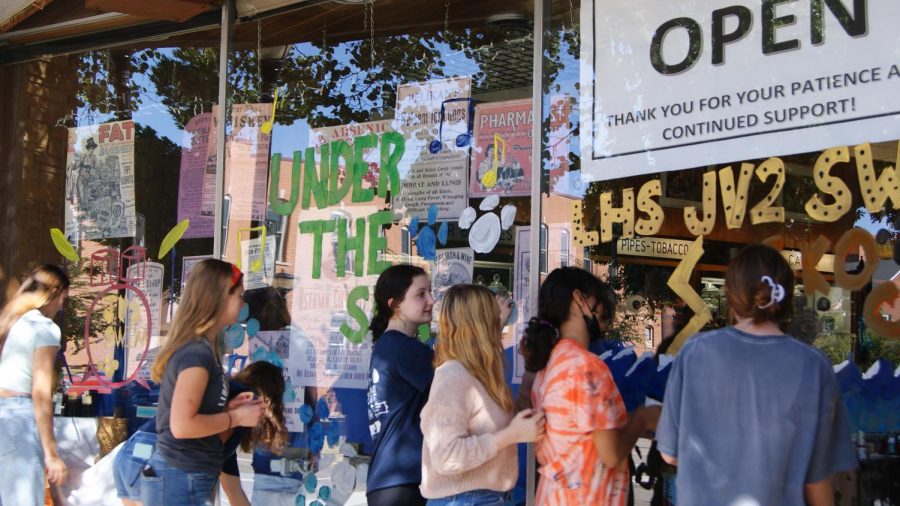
(583, 456)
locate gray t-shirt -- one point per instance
(752, 419)
(198, 454)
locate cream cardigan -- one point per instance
(459, 452)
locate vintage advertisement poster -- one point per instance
(100, 181)
(293, 350)
(521, 293)
(248, 162)
(501, 157)
(683, 83)
(372, 157)
(258, 263)
(435, 119)
(187, 265)
(194, 187)
(327, 307)
(135, 324)
(452, 266)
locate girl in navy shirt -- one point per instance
(399, 378)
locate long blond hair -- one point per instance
(470, 333)
(205, 296)
(43, 285)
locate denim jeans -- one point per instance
(129, 463)
(164, 485)
(473, 498)
(21, 455)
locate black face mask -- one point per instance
(593, 328)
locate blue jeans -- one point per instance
(472, 498)
(127, 466)
(21, 455)
(164, 485)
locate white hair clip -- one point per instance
(777, 291)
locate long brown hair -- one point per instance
(205, 296)
(470, 333)
(43, 285)
(267, 382)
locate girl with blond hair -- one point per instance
(29, 342)
(193, 391)
(469, 453)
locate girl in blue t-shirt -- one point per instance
(29, 342)
(399, 378)
(193, 391)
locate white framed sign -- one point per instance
(673, 85)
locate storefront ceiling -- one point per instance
(65, 27)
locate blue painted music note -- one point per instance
(463, 139)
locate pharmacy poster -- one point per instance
(674, 85)
(501, 158)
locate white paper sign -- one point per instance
(439, 177)
(673, 85)
(258, 274)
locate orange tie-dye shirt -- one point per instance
(577, 394)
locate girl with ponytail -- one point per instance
(588, 437)
(29, 342)
(400, 376)
(789, 429)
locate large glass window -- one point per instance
(676, 135)
(387, 136)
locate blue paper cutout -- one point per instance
(432, 214)
(245, 312)
(234, 335)
(311, 482)
(426, 242)
(300, 500)
(325, 493)
(252, 327)
(306, 413)
(316, 438)
(442, 233)
(322, 408)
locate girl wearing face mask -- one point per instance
(588, 437)
(399, 379)
(29, 341)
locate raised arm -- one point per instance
(184, 419)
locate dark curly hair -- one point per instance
(554, 301)
(267, 382)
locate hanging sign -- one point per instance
(672, 85)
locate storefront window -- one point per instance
(684, 150)
(391, 141)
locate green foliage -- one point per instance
(837, 345)
(872, 347)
